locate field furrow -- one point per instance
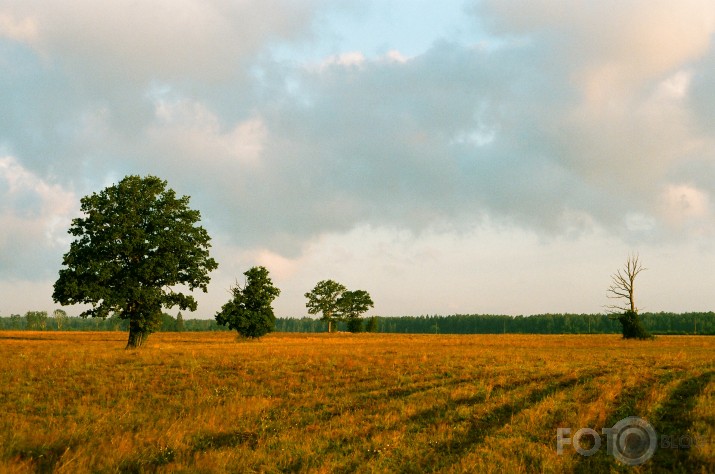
(203, 402)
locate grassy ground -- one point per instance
(203, 402)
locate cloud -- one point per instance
(450, 135)
(186, 39)
(561, 121)
(34, 218)
(188, 128)
(457, 132)
(64, 60)
(612, 45)
(18, 29)
(685, 207)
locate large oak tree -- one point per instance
(136, 247)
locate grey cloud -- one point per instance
(702, 98)
(514, 131)
(376, 143)
(81, 58)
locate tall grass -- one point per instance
(203, 402)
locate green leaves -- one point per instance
(249, 311)
(135, 241)
(324, 298)
(335, 302)
(352, 304)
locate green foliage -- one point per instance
(655, 323)
(632, 326)
(135, 244)
(168, 323)
(354, 325)
(60, 317)
(337, 303)
(371, 325)
(351, 305)
(180, 323)
(16, 321)
(324, 299)
(36, 320)
(249, 312)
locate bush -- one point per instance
(633, 327)
(355, 325)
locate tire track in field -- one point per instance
(625, 405)
(622, 406)
(483, 426)
(447, 411)
(675, 418)
(444, 383)
(362, 400)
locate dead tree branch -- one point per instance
(622, 286)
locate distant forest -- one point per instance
(656, 323)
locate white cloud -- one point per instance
(23, 30)
(396, 56)
(354, 58)
(190, 129)
(206, 40)
(34, 217)
(685, 203)
(613, 45)
(676, 86)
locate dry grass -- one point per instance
(203, 402)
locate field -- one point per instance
(205, 402)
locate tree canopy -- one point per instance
(337, 303)
(323, 298)
(351, 305)
(249, 312)
(136, 243)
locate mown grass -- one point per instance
(204, 402)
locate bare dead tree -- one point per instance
(622, 286)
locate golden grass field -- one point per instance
(205, 402)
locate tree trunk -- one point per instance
(137, 335)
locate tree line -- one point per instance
(137, 243)
(701, 323)
(42, 321)
(663, 323)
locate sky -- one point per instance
(491, 157)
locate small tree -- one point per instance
(136, 244)
(632, 326)
(249, 312)
(15, 321)
(371, 324)
(623, 288)
(180, 323)
(324, 299)
(352, 304)
(60, 316)
(36, 320)
(168, 323)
